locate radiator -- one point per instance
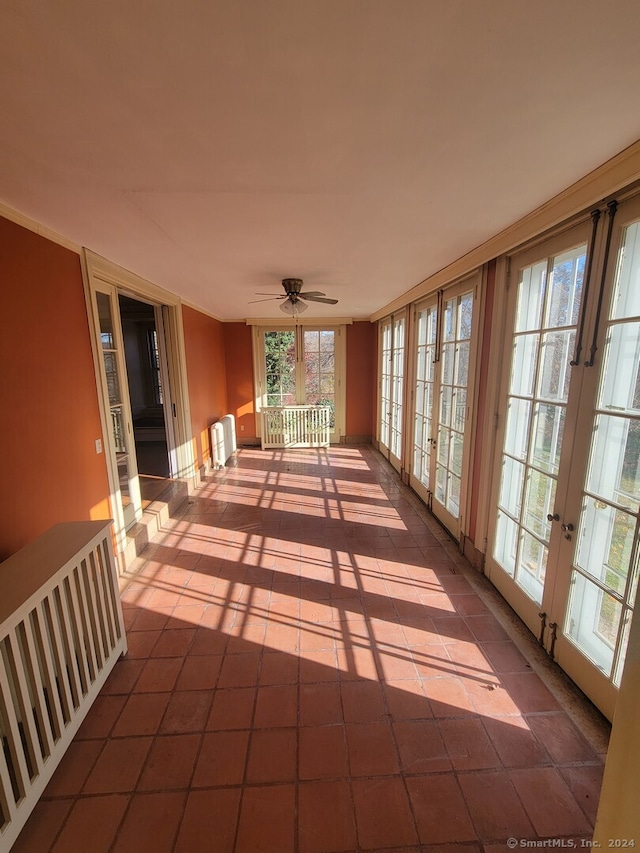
(61, 632)
(296, 426)
(223, 440)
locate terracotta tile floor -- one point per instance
(309, 670)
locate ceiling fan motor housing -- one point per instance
(292, 285)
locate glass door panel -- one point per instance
(443, 352)
(392, 357)
(119, 415)
(604, 572)
(457, 317)
(320, 369)
(566, 534)
(426, 328)
(386, 366)
(280, 367)
(397, 392)
(547, 308)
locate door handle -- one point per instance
(568, 529)
(554, 517)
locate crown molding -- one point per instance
(37, 228)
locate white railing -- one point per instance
(61, 632)
(296, 426)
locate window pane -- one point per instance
(548, 427)
(453, 495)
(462, 364)
(605, 543)
(449, 321)
(511, 485)
(538, 503)
(311, 341)
(593, 619)
(531, 290)
(280, 368)
(557, 352)
(523, 364)
(448, 353)
(327, 341)
(626, 298)
(517, 428)
(441, 482)
(445, 406)
(621, 385)
(455, 460)
(566, 288)
(117, 427)
(459, 409)
(106, 323)
(113, 383)
(465, 317)
(532, 566)
(614, 469)
(504, 550)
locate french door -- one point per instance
(564, 537)
(392, 367)
(119, 437)
(302, 366)
(441, 401)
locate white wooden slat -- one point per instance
(12, 734)
(7, 801)
(24, 697)
(68, 615)
(84, 637)
(103, 585)
(38, 682)
(87, 592)
(110, 575)
(97, 604)
(49, 644)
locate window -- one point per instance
(301, 366)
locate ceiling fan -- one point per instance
(294, 300)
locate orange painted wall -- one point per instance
(361, 379)
(481, 414)
(205, 357)
(240, 392)
(49, 468)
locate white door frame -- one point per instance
(98, 271)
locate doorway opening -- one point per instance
(148, 393)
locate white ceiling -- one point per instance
(216, 147)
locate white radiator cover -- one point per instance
(61, 632)
(223, 440)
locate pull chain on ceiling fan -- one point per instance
(294, 300)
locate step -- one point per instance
(154, 517)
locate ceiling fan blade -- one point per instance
(319, 299)
(268, 299)
(260, 293)
(312, 293)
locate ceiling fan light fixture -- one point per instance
(293, 308)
